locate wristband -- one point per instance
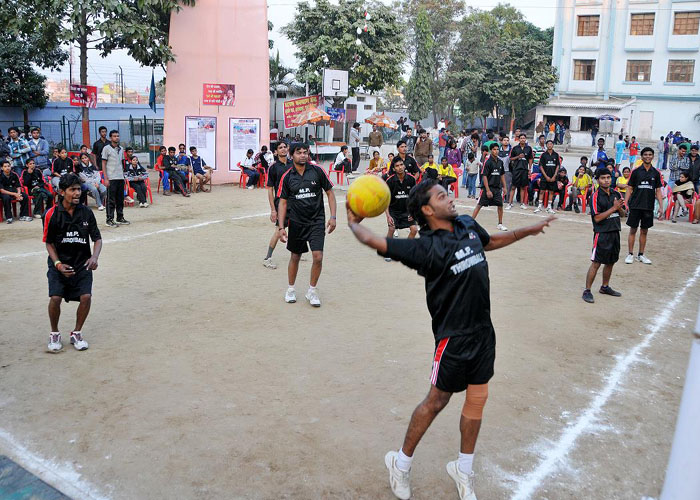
(333, 217)
(55, 264)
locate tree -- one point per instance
(418, 91)
(324, 35)
(280, 75)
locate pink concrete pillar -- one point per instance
(218, 41)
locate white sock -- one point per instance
(312, 287)
(464, 462)
(76, 331)
(55, 333)
(291, 287)
(403, 462)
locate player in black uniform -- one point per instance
(550, 161)
(68, 228)
(643, 186)
(450, 256)
(397, 215)
(301, 189)
(606, 210)
(274, 174)
(409, 163)
(520, 166)
(493, 180)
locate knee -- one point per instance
(476, 400)
(436, 402)
(296, 257)
(55, 301)
(317, 257)
(85, 299)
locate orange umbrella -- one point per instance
(311, 115)
(382, 120)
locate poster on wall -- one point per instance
(218, 94)
(84, 96)
(292, 107)
(244, 134)
(200, 132)
(336, 114)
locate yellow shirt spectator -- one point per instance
(582, 182)
(622, 184)
(433, 165)
(446, 171)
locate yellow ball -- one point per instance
(368, 196)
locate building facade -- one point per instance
(636, 59)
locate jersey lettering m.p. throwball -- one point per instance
(304, 194)
(71, 235)
(645, 183)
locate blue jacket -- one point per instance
(41, 147)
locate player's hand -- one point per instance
(273, 216)
(106, 182)
(521, 156)
(390, 220)
(283, 235)
(489, 194)
(65, 270)
(617, 204)
(18, 196)
(539, 227)
(352, 217)
(661, 214)
(91, 263)
(331, 225)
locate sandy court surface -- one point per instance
(200, 382)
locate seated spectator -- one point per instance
(184, 164)
(562, 183)
(579, 184)
(61, 166)
(137, 176)
(11, 189)
(248, 166)
(614, 172)
(389, 159)
(375, 164)
(431, 166)
(622, 181)
(683, 192)
(172, 173)
(92, 181)
(342, 161)
(201, 172)
(33, 180)
(263, 159)
(446, 174)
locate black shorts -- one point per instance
(520, 178)
(643, 217)
(69, 288)
(461, 361)
(548, 186)
(301, 237)
(606, 247)
(401, 220)
(496, 201)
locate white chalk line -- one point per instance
(61, 476)
(554, 458)
(121, 239)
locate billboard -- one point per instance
(218, 94)
(336, 114)
(84, 96)
(293, 107)
(244, 134)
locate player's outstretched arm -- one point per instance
(500, 240)
(364, 235)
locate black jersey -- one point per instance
(33, 180)
(523, 163)
(409, 163)
(304, 194)
(644, 184)
(399, 193)
(71, 234)
(493, 170)
(61, 166)
(456, 275)
(549, 163)
(602, 202)
(274, 175)
(9, 182)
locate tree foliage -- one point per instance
(419, 91)
(324, 35)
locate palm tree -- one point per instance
(280, 76)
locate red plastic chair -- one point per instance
(339, 174)
(455, 185)
(243, 179)
(689, 205)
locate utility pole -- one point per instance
(121, 80)
(70, 67)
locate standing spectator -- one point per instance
(423, 148)
(355, 146)
(40, 149)
(660, 150)
(619, 149)
(11, 190)
(504, 155)
(473, 167)
(137, 175)
(442, 142)
(376, 140)
(594, 133)
(550, 132)
(493, 182)
(92, 180)
(634, 150)
(98, 145)
(550, 161)
(201, 172)
(520, 163)
(694, 161)
(19, 151)
(678, 163)
(410, 141)
(667, 148)
(113, 171)
(539, 129)
(567, 140)
(33, 180)
(599, 157)
(453, 155)
(248, 166)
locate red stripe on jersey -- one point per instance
(436, 361)
(279, 189)
(392, 175)
(594, 202)
(47, 219)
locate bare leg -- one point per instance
(512, 195)
(390, 231)
(643, 240)
(630, 239)
(293, 268)
(316, 267)
(476, 211)
(413, 231)
(275, 238)
(83, 310)
(607, 272)
(523, 195)
(500, 214)
(423, 416)
(469, 429)
(54, 312)
(591, 274)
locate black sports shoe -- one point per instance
(609, 291)
(588, 296)
(576, 209)
(123, 221)
(111, 223)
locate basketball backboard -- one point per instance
(335, 83)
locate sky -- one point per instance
(280, 12)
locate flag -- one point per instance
(152, 94)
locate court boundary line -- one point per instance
(554, 458)
(55, 475)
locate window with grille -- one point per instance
(368, 106)
(351, 106)
(588, 25)
(638, 71)
(680, 70)
(642, 24)
(360, 98)
(584, 69)
(686, 23)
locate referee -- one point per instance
(450, 256)
(68, 229)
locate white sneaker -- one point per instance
(251, 187)
(523, 206)
(291, 296)
(396, 233)
(538, 209)
(269, 264)
(399, 480)
(55, 343)
(37, 216)
(101, 207)
(78, 341)
(509, 206)
(501, 227)
(629, 259)
(550, 210)
(464, 482)
(643, 259)
(387, 259)
(145, 205)
(312, 297)
(129, 199)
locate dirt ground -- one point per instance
(201, 382)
